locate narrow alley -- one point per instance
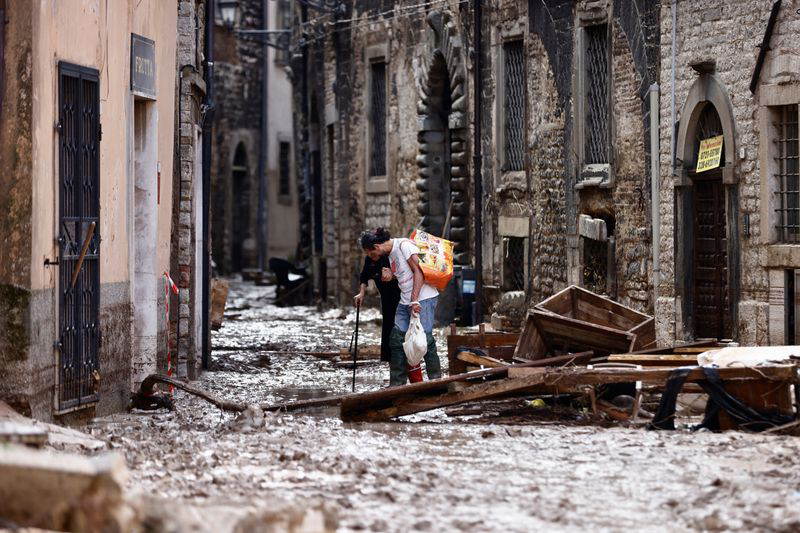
(435, 472)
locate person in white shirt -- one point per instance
(416, 297)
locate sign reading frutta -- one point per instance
(143, 66)
(710, 153)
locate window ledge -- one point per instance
(783, 255)
(377, 184)
(598, 175)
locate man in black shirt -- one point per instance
(381, 274)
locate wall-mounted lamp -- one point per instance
(228, 12)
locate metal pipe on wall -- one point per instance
(263, 191)
(477, 163)
(208, 120)
(655, 183)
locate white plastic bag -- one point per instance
(416, 343)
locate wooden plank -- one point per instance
(655, 360)
(411, 405)
(560, 303)
(497, 345)
(584, 376)
(474, 359)
(354, 404)
(645, 335)
(694, 350)
(530, 345)
(708, 345)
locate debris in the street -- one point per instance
(452, 390)
(480, 360)
(219, 295)
(62, 492)
(576, 319)
(497, 345)
(16, 428)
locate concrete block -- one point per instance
(62, 492)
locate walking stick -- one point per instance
(355, 350)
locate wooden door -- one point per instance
(710, 258)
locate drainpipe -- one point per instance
(263, 206)
(477, 160)
(655, 181)
(2, 51)
(672, 88)
(208, 119)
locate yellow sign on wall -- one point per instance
(710, 153)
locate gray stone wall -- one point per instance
(727, 32)
(544, 193)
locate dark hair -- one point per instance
(372, 237)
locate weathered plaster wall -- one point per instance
(94, 34)
(16, 153)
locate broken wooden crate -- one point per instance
(575, 320)
(496, 345)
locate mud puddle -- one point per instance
(434, 472)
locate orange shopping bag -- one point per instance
(435, 258)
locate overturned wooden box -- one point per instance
(576, 320)
(498, 345)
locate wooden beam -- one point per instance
(354, 406)
(654, 360)
(569, 377)
(475, 359)
(480, 391)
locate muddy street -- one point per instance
(434, 472)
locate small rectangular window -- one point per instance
(283, 164)
(377, 117)
(597, 73)
(514, 105)
(787, 159)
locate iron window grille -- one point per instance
(514, 272)
(596, 139)
(514, 105)
(377, 116)
(787, 149)
(283, 168)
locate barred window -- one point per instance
(514, 105)
(283, 168)
(377, 117)
(514, 272)
(787, 159)
(596, 137)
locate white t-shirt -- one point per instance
(402, 250)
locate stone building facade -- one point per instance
(388, 99)
(728, 242)
(254, 191)
(187, 202)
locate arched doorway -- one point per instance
(707, 264)
(435, 145)
(443, 137)
(709, 273)
(240, 214)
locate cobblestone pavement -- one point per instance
(435, 472)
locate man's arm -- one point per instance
(419, 280)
